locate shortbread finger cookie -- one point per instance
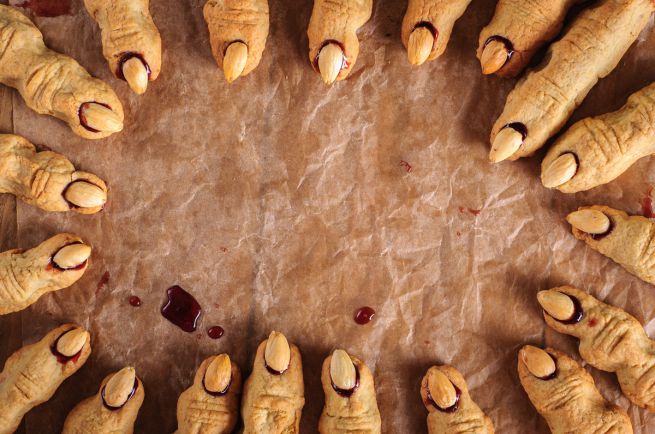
(565, 394)
(32, 374)
(130, 40)
(113, 409)
(54, 264)
(350, 402)
(596, 150)
(627, 240)
(54, 84)
(543, 100)
(611, 339)
(237, 32)
(332, 32)
(211, 405)
(47, 179)
(517, 31)
(450, 408)
(274, 394)
(427, 26)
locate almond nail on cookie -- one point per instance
(332, 32)
(450, 408)
(46, 179)
(350, 401)
(130, 40)
(237, 32)
(274, 394)
(611, 339)
(427, 26)
(627, 240)
(113, 409)
(32, 374)
(565, 394)
(517, 31)
(545, 98)
(54, 84)
(596, 150)
(211, 404)
(54, 264)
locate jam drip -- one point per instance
(135, 301)
(453, 408)
(347, 393)
(181, 309)
(127, 56)
(215, 332)
(364, 315)
(221, 393)
(109, 407)
(273, 371)
(80, 115)
(60, 357)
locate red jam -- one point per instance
(135, 301)
(364, 315)
(347, 393)
(46, 8)
(181, 309)
(215, 332)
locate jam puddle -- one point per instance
(181, 309)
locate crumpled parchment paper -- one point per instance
(281, 203)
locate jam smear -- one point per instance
(46, 8)
(215, 332)
(406, 165)
(347, 393)
(647, 205)
(111, 408)
(104, 280)
(60, 357)
(453, 408)
(181, 309)
(593, 322)
(135, 301)
(364, 315)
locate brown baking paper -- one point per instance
(282, 203)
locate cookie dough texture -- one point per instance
(590, 49)
(528, 26)
(440, 14)
(40, 178)
(27, 275)
(272, 404)
(607, 145)
(338, 20)
(127, 27)
(49, 82)
(231, 21)
(570, 402)
(198, 412)
(357, 413)
(467, 419)
(92, 416)
(32, 375)
(630, 242)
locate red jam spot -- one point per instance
(215, 332)
(474, 211)
(135, 301)
(46, 8)
(364, 315)
(647, 207)
(102, 282)
(60, 357)
(453, 408)
(111, 408)
(347, 393)
(593, 322)
(181, 309)
(406, 165)
(125, 58)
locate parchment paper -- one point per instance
(281, 203)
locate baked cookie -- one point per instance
(596, 150)
(46, 179)
(112, 410)
(237, 32)
(547, 95)
(52, 265)
(54, 84)
(627, 240)
(33, 374)
(211, 404)
(350, 402)
(332, 32)
(565, 394)
(274, 394)
(611, 339)
(130, 40)
(450, 408)
(427, 26)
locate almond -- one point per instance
(71, 256)
(100, 118)
(218, 374)
(342, 370)
(85, 195)
(560, 171)
(136, 75)
(506, 143)
(556, 304)
(119, 387)
(72, 342)
(590, 221)
(441, 389)
(419, 46)
(494, 56)
(277, 354)
(330, 62)
(539, 362)
(234, 61)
